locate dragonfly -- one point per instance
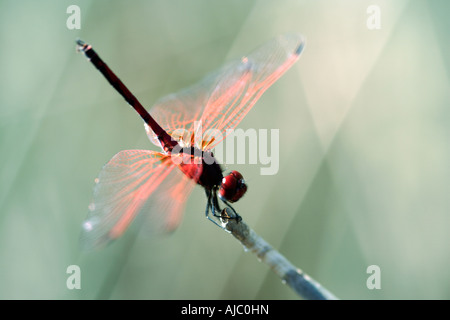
(152, 186)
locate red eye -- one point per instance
(233, 187)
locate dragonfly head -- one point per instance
(233, 187)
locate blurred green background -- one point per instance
(364, 147)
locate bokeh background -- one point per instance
(364, 120)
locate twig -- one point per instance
(300, 282)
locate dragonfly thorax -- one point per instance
(211, 172)
(231, 187)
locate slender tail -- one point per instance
(166, 141)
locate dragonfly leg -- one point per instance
(210, 207)
(215, 204)
(216, 212)
(227, 215)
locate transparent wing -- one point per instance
(223, 98)
(245, 81)
(178, 112)
(169, 200)
(125, 188)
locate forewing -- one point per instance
(244, 81)
(223, 98)
(177, 112)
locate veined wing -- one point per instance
(245, 81)
(178, 112)
(126, 188)
(168, 200)
(223, 98)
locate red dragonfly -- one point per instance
(154, 186)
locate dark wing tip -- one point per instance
(301, 44)
(300, 47)
(293, 42)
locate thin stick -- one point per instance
(300, 282)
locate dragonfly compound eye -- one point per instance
(233, 187)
